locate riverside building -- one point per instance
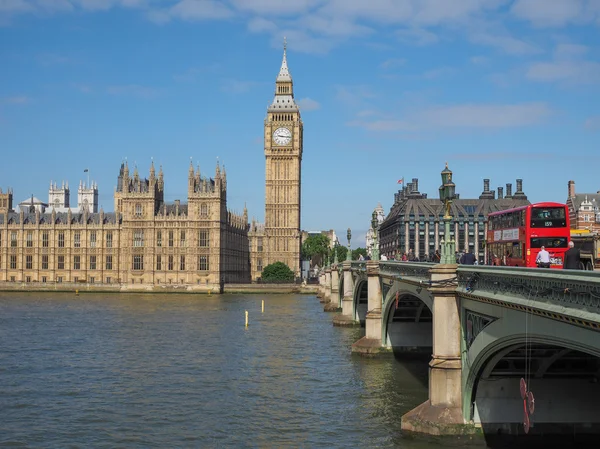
(147, 243)
(416, 223)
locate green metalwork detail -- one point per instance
(359, 266)
(400, 270)
(580, 291)
(475, 323)
(385, 288)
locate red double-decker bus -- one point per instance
(515, 236)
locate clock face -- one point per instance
(282, 136)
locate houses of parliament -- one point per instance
(147, 242)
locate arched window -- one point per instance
(204, 210)
(138, 210)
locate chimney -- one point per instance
(519, 186)
(571, 189)
(500, 193)
(487, 194)
(508, 190)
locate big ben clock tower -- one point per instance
(283, 154)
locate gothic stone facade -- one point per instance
(144, 243)
(279, 239)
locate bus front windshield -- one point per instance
(548, 217)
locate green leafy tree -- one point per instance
(277, 273)
(341, 252)
(315, 247)
(357, 252)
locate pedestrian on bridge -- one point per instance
(468, 258)
(543, 258)
(572, 257)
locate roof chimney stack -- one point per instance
(500, 193)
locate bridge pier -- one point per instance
(346, 318)
(327, 290)
(442, 414)
(334, 300)
(321, 288)
(370, 344)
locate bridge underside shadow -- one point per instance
(565, 409)
(409, 333)
(361, 302)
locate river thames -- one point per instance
(133, 370)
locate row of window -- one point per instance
(138, 239)
(137, 262)
(60, 239)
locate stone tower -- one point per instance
(87, 197)
(283, 154)
(59, 197)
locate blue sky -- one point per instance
(501, 89)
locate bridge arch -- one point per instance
(407, 324)
(340, 289)
(360, 299)
(560, 361)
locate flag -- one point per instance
(400, 181)
(86, 170)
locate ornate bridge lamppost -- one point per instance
(349, 253)
(447, 194)
(375, 225)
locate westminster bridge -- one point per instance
(489, 329)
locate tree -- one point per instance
(315, 245)
(357, 252)
(277, 273)
(342, 251)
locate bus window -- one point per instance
(548, 217)
(549, 242)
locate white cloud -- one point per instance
(18, 99)
(238, 86)
(193, 73)
(317, 26)
(392, 62)
(550, 13)
(200, 10)
(134, 90)
(508, 44)
(479, 60)
(568, 65)
(592, 123)
(308, 104)
(353, 96)
(416, 36)
(570, 51)
(440, 72)
(464, 116)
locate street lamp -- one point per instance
(349, 253)
(447, 194)
(335, 257)
(374, 225)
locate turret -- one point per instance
(161, 180)
(191, 178)
(152, 174)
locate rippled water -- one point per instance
(183, 371)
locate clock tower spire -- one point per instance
(283, 156)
